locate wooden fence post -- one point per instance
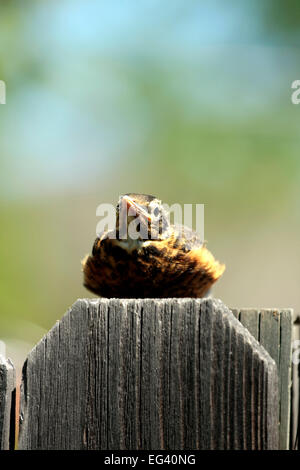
(7, 404)
(149, 374)
(273, 330)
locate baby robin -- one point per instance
(145, 256)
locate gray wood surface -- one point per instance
(273, 329)
(295, 389)
(285, 379)
(149, 374)
(7, 403)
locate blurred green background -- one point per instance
(187, 100)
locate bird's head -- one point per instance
(141, 217)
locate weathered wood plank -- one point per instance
(205, 378)
(295, 389)
(273, 329)
(285, 370)
(250, 318)
(269, 333)
(7, 404)
(149, 374)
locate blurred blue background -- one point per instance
(187, 100)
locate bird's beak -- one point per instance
(138, 209)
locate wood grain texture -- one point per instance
(149, 374)
(7, 404)
(285, 379)
(273, 329)
(295, 389)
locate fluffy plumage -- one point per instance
(170, 266)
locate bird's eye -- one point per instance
(156, 212)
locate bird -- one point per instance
(145, 256)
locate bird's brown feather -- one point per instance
(164, 268)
